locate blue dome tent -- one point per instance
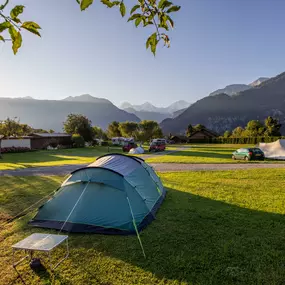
(117, 194)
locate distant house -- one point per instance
(43, 140)
(202, 135)
(179, 139)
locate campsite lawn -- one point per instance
(204, 153)
(53, 157)
(223, 227)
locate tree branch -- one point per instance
(156, 26)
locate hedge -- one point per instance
(241, 140)
(14, 149)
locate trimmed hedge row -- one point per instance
(242, 140)
(14, 149)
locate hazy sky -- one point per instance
(215, 43)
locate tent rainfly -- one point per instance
(117, 194)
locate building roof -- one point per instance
(212, 133)
(50, 135)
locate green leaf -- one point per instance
(17, 20)
(150, 39)
(85, 4)
(13, 33)
(173, 9)
(148, 23)
(161, 2)
(152, 43)
(133, 17)
(2, 39)
(4, 26)
(16, 38)
(108, 3)
(134, 9)
(166, 4)
(170, 21)
(31, 27)
(163, 22)
(138, 21)
(123, 9)
(78, 1)
(17, 42)
(16, 11)
(4, 5)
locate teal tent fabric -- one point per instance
(117, 194)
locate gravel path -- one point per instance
(163, 167)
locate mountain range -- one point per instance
(223, 112)
(50, 114)
(220, 112)
(234, 89)
(148, 111)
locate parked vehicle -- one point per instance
(128, 146)
(157, 146)
(248, 154)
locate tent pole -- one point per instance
(137, 232)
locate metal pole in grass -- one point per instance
(135, 226)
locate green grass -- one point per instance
(53, 157)
(203, 154)
(224, 227)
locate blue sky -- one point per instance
(214, 43)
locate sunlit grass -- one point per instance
(210, 153)
(53, 157)
(224, 227)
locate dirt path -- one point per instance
(163, 167)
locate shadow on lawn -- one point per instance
(200, 241)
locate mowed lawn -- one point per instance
(204, 153)
(224, 227)
(53, 157)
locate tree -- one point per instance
(254, 128)
(12, 127)
(99, 133)
(199, 127)
(237, 132)
(149, 130)
(78, 124)
(113, 130)
(41, 131)
(272, 127)
(128, 129)
(227, 134)
(144, 13)
(190, 130)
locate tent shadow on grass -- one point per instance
(200, 241)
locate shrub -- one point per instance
(78, 141)
(104, 143)
(14, 149)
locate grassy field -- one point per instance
(190, 154)
(213, 228)
(53, 157)
(202, 154)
